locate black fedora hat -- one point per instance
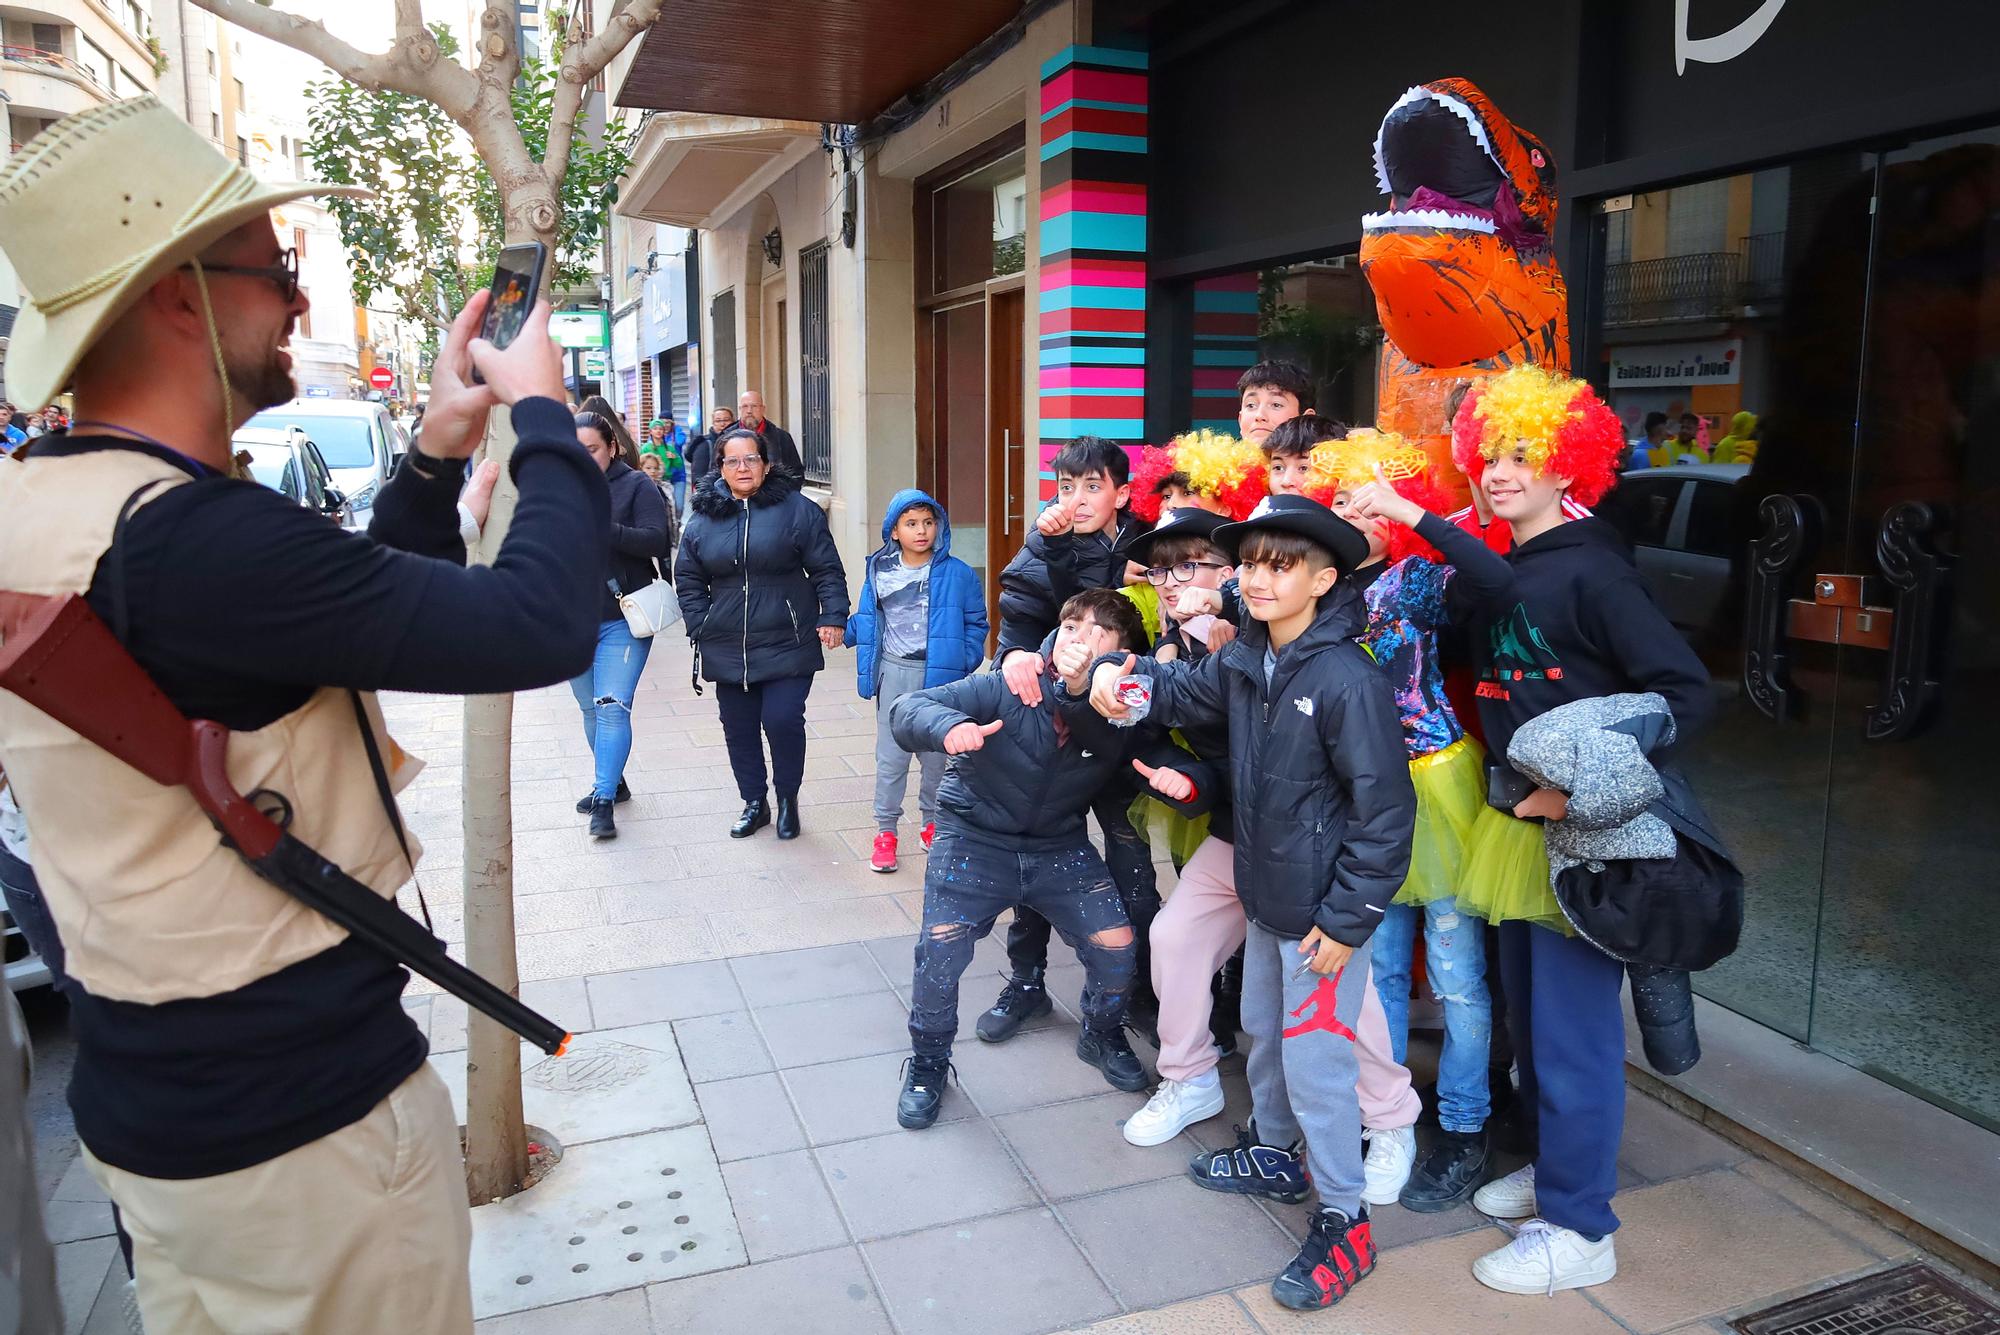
(1305, 517)
(1172, 524)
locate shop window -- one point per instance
(1319, 313)
(977, 225)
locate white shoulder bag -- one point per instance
(650, 610)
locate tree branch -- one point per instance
(499, 54)
(412, 67)
(583, 62)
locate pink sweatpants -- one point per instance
(1198, 929)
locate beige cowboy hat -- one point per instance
(97, 208)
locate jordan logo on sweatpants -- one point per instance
(1322, 1001)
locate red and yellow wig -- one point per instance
(1567, 430)
(1351, 463)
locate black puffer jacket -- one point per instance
(755, 579)
(1047, 571)
(1020, 788)
(1326, 842)
(639, 534)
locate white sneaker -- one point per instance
(1391, 1154)
(1175, 1106)
(1545, 1259)
(1509, 1197)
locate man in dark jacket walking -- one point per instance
(1010, 832)
(763, 591)
(778, 442)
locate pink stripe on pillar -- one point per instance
(1095, 377)
(1093, 86)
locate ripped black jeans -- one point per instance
(970, 882)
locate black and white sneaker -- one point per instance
(1451, 1172)
(924, 1079)
(1252, 1168)
(1113, 1055)
(1338, 1253)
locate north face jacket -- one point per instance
(1046, 572)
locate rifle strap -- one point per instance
(389, 801)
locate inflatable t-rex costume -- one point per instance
(1462, 265)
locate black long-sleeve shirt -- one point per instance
(240, 604)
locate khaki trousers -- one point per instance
(363, 1230)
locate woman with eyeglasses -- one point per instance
(763, 591)
(638, 538)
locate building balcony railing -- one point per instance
(1707, 285)
(52, 61)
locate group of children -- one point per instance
(1308, 595)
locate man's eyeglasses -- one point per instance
(284, 274)
(1181, 573)
(742, 462)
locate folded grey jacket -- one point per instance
(1597, 751)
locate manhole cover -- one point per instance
(593, 1069)
(1909, 1300)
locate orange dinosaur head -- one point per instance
(1460, 262)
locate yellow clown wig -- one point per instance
(1351, 462)
(1222, 468)
(1565, 428)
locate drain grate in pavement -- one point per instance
(1909, 1300)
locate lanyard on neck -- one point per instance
(200, 469)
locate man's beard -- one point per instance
(265, 385)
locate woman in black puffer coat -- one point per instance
(763, 592)
(640, 536)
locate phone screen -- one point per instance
(515, 277)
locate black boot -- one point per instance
(1020, 1001)
(602, 826)
(1225, 1016)
(788, 817)
(756, 815)
(923, 1090)
(583, 803)
(1112, 1055)
(1454, 1168)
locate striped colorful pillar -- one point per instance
(1093, 249)
(1225, 346)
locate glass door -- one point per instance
(1907, 983)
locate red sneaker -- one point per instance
(928, 833)
(884, 857)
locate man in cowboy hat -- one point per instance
(248, 1087)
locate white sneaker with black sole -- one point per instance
(1509, 1197)
(1391, 1154)
(1175, 1106)
(1545, 1259)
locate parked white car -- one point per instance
(360, 442)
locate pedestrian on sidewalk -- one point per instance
(1324, 812)
(921, 623)
(1011, 834)
(1565, 616)
(248, 1088)
(604, 691)
(701, 449)
(763, 591)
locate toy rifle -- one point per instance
(60, 658)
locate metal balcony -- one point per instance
(1703, 286)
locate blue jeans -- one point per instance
(1455, 951)
(604, 693)
(680, 486)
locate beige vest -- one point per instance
(150, 905)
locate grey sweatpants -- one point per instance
(1302, 1063)
(894, 679)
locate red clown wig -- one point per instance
(1567, 431)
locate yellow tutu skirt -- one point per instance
(1451, 792)
(1506, 876)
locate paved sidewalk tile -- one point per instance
(718, 1047)
(1661, 1145)
(1217, 1314)
(749, 1116)
(675, 992)
(1429, 1290)
(1670, 1237)
(853, 1099)
(1029, 1070)
(1169, 1240)
(1009, 1275)
(836, 1028)
(782, 1207)
(915, 1179)
(822, 1293)
(1077, 1148)
(614, 1314)
(807, 975)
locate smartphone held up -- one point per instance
(517, 277)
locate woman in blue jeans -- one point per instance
(638, 538)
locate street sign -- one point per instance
(319, 392)
(381, 377)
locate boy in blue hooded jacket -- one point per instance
(920, 622)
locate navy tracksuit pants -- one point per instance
(1569, 1041)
